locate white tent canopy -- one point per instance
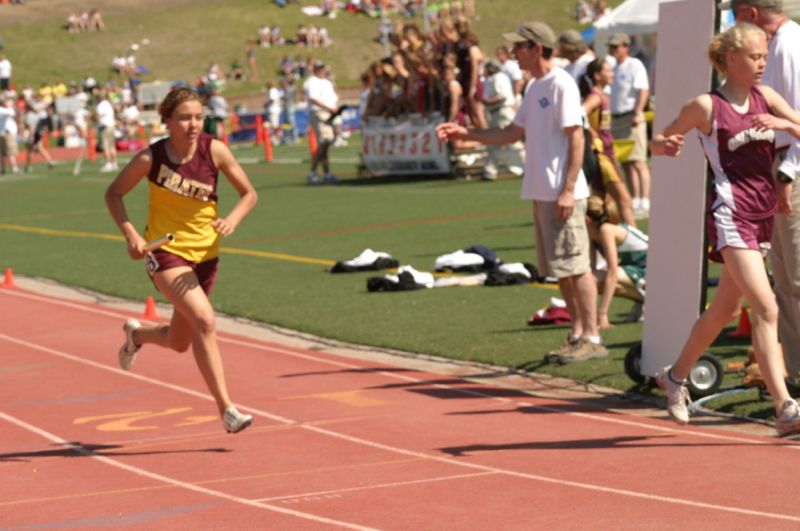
(635, 17)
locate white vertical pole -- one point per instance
(676, 255)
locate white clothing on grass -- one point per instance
(551, 103)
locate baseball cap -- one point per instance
(733, 4)
(319, 64)
(535, 31)
(618, 39)
(493, 64)
(571, 36)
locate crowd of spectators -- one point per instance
(307, 35)
(439, 71)
(61, 113)
(587, 11)
(86, 20)
(409, 8)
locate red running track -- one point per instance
(341, 442)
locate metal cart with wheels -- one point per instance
(704, 380)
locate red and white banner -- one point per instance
(404, 148)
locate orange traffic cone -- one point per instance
(142, 135)
(8, 281)
(259, 130)
(267, 140)
(92, 145)
(743, 328)
(312, 141)
(150, 309)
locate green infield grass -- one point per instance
(54, 224)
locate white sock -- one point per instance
(636, 203)
(597, 340)
(646, 203)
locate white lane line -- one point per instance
(550, 409)
(599, 416)
(377, 486)
(175, 482)
(412, 453)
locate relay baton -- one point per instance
(155, 244)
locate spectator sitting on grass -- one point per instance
(625, 250)
(96, 21)
(73, 23)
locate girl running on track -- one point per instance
(182, 176)
(736, 125)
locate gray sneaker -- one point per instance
(788, 422)
(583, 350)
(234, 421)
(566, 346)
(677, 395)
(128, 350)
(313, 178)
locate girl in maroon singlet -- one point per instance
(598, 111)
(736, 125)
(181, 172)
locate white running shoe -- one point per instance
(313, 178)
(128, 350)
(788, 422)
(330, 179)
(234, 421)
(677, 395)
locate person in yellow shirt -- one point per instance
(181, 172)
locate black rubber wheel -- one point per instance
(633, 365)
(705, 377)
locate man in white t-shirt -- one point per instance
(782, 74)
(499, 103)
(572, 47)
(322, 106)
(510, 67)
(107, 124)
(630, 92)
(273, 105)
(550, 120)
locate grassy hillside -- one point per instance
(186, 35)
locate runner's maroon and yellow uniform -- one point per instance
(183, 202)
